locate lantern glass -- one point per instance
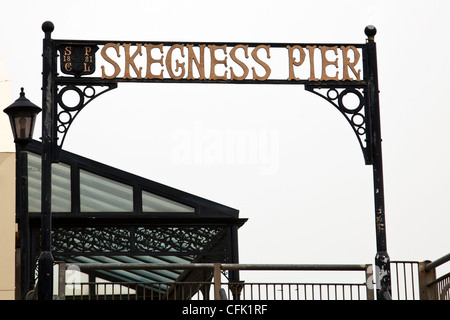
(23, 125)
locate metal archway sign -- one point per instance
(333, 71)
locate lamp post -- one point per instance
(22, 115)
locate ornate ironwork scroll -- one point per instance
(235, 63)
(122, 240)
(351, 102)
(79, 95)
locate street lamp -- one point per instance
(22, 115)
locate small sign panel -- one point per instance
(77, 60)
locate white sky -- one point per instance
(306, 191)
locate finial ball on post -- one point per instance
(370, 31)
(48, 27)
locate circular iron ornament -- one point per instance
(358, 121)
(355, 92)
(64, 118)
(65, 90)
(89, 92)
(62, 128)
(63, 114)
(332, 94)
(361, 131)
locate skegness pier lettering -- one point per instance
(219, 62)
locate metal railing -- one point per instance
(202, 291)
(405, 280)
(216, 289)
(411, 280)
(303, 291)
(433, 288)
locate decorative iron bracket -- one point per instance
(66, 112)
(357, 114)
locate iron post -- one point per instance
(45, 262)
(22, 212)
(382, 260)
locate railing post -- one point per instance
(426, 277)
(217, 281)
(62, 281)
(369, 282)
(236, 289)
(91, 289)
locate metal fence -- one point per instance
(410, 280)
(433, 288)
(405, 280)
(442, 286)
(303, 291)
(217, 288)
(203, 291)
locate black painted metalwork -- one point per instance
(180, 240)
(22, 116)
(45, 262)
(84, 85)
(382, 260)
(66, 113)
(363, 117)
(355, 114)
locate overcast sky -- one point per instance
(301, 180)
